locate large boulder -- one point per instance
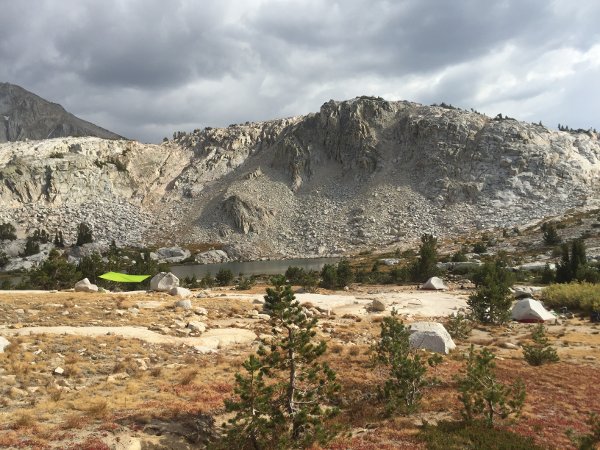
(526, 291)
(164, 282)
(171, 255)
(180, 292)
(434, 284)
(85, 286)
(377, 305)
(212, 257)
(431, 336)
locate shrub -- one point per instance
(460, 435)
(550, 234)
(459, 326)
(54, 273)
(310, 281)
(7, 232)
(84, 234)
(590, 440)
(32, 247)
(245, 283)
(482, 395)
(3, 259)
(279, 400)
(295, 275)
(329, 276)
(576, 296)
(406, 380)
(207, 281)
(541, 352)
(479, 247)
(344, 273)
(224, 277)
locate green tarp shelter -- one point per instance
(123, 277)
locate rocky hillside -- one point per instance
(359, 174)
(24, 115)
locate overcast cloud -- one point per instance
(146, 68)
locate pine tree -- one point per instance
(84, 234)
(491, 302)
(482, 395)
(425, 266)
(283, 399)
(404, 386)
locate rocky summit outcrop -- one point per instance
(24, 115)
(358, 174)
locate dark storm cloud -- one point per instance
(145, 68)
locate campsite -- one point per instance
(151, 369)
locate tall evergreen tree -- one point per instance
(287, 391)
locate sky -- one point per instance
(147, 68)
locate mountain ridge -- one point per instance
(356, 175)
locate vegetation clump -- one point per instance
(7, 232)
(459, 326)
(540, 352)
(575, 296)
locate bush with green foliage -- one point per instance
(482, 395)
(459, 256)
(208, 281)
(403, 388)
(7, 232)
(32, 247)
(345, 276)
(329, 276)
(54, 273)
(480, 247)
(224, 277)
(91, 267)
(588, 441)
(286, 392)
(3, 259)
(573, 265)
(59, 241)
(459, 326)
(492, 301)
(540, 352)
(461, 435)
(550, 234)
(575, 296)
(425, 266)
(295, 275)
(245, 283)
(41, 236)
(84, 234)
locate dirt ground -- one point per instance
(134, 371)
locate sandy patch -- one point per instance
(210, 340)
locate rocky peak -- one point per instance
(24, 115)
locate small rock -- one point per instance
(185, 304)
(85, 286)
(59, 371)
(377, 305)
(509, 345)
(196, 326)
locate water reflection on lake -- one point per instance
(272, 267)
